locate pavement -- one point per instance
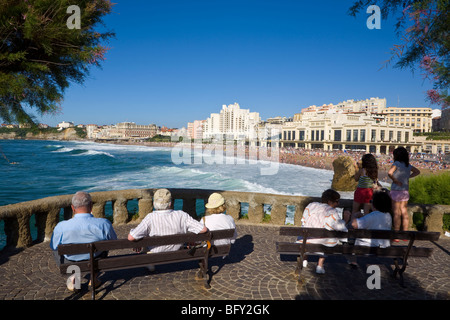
(252, 271)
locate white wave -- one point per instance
(63, 149)
(119, 147)
(93, 153)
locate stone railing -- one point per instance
(49, 211)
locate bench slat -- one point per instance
(108, 245)
(135, 260)
(359, 233)
(290, 248)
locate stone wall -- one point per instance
(47, 211)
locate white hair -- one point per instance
(81, 199)
(161, 205)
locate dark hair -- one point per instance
(370, 164)
(401, 155)
(382, 201)
(330, 195)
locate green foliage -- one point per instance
(432, 189)
(434, 135)
(159, 138)
(40, 56)
(422, 26)
(22, 132)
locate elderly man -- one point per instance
(164, 221)
(81, 228)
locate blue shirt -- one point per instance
(82, 228)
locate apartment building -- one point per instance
(371, 105)
(232, 122)
(418, 119)
(195, 129)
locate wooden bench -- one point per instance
(201, 252)
(396, 251)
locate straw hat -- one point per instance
(215, 200)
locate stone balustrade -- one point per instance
(49, 211)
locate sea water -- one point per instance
(48, 168)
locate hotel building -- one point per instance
(351, 131)
(232, 122)
(125, 130)
(418, 119)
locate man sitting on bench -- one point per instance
(164, 221)
(82, 228)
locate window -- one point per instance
(355, 135)
(362, 135)
(337, 135)
(349, 135)
(301, 135)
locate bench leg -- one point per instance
(399, 271)
(203, 272)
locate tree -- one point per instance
(41, 54)
(423, 27)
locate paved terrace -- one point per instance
(252, 271)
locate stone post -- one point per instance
(278, 214)
(98, 209)
(120, 211)
(434, 219)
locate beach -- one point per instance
(320, 159)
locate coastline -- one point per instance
(317, 159)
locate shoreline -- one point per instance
(318, 159)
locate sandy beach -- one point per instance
(429, 164)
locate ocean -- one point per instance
(49, 168)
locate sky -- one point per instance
(176, 61)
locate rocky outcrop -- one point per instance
(66, 134)
(344, 172)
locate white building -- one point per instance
(357, 131)
(64, 125)
(232, 122)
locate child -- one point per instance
(400, 173)
(367, 177)
(379, 219)
(323, 215)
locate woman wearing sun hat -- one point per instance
(216, 219)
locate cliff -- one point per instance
(43, 134)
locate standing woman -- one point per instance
(400, 173)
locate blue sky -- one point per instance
(174, 62)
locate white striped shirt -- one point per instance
(164, 223)
(321, 215)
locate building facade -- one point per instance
(418, 119)
(126, 130)
(232, 122)
(346, 131)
